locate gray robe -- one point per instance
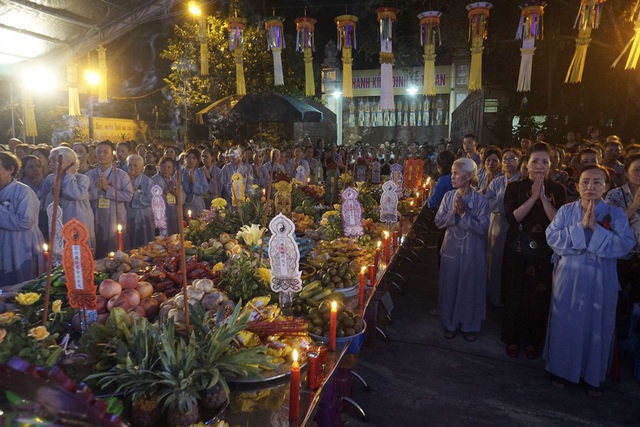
(74, 200)
(194, 192)
(105, 217)
(140, 223)
(21, 252)
(463, 263)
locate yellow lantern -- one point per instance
(429, 31)
(305, 42)
(588, 18)
(346, 43)
(478, 20)
(236, 28)
(634, 44)
(530, 28)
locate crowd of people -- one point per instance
(548, 233)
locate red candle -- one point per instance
(189, 214)
(361, 287)
(411, 212)
(387, 249)
(372, 275)
(333, 324)
(376, 257)
(395, 241)
(294, 388)
(119, 237)
(46, 252)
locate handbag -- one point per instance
(527, 246)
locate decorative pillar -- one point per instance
(275, 43)
(429, 30)
(478, 20)
(386, 17)
(305, 42)
(346, 43)
(588, 18)
(236, 28)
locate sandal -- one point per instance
(531, 352)
(558, 383)
(469, 336)
(449, 334)
(512, 350)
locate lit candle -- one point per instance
(294, 388)
(395, 240)
(46, 252)
(376, 257)
(189, 214)
(372, 275)
(333, 324)
(363, 270)
(387, 244)
(112, 254)
(411, 212)
(119, 237)
(264, 192)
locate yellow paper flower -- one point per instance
(28, 298)
(6, 318)
(38, 333)
(336, 207)
(219, 266)
(251, 235)
(264, 274)
(56, 307)
(219, 203)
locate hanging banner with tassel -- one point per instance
(275, 43)
(102, 69)
(305, 42)
(478, 20)
(429, 31)
(386, 17)
(236, 28)
(634, 44)
(588, 18)
(203, 34)
(346, 43)
(30, 127)
(530, 28)
(72, 83)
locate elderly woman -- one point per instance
(587, 237)
(20, 238)
(498, 226)
(105, 179)
(167, 181)
(74, 191)
(462, 285)
(140, 225)
(529, 205)
(194, 184)
(274, 165)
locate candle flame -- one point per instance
(112, 254)
(295, 356)
(411, 203)
(119, 228)
(386, 234)
(334, 306)
(379, 244)
(363, 269)
(45, 247)
(189, 213)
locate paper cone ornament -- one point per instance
(346, 43)
(204, 45)
(478, 20)
(530, 28)
(275, 43)
(386, 18)
(634, 44)
(30, 127)
(236, 28)
(102, 69)
(429, 33)
(588, 18)
(305, 42)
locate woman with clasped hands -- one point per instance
(529, 206)
(587, 237)
(464, 213)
